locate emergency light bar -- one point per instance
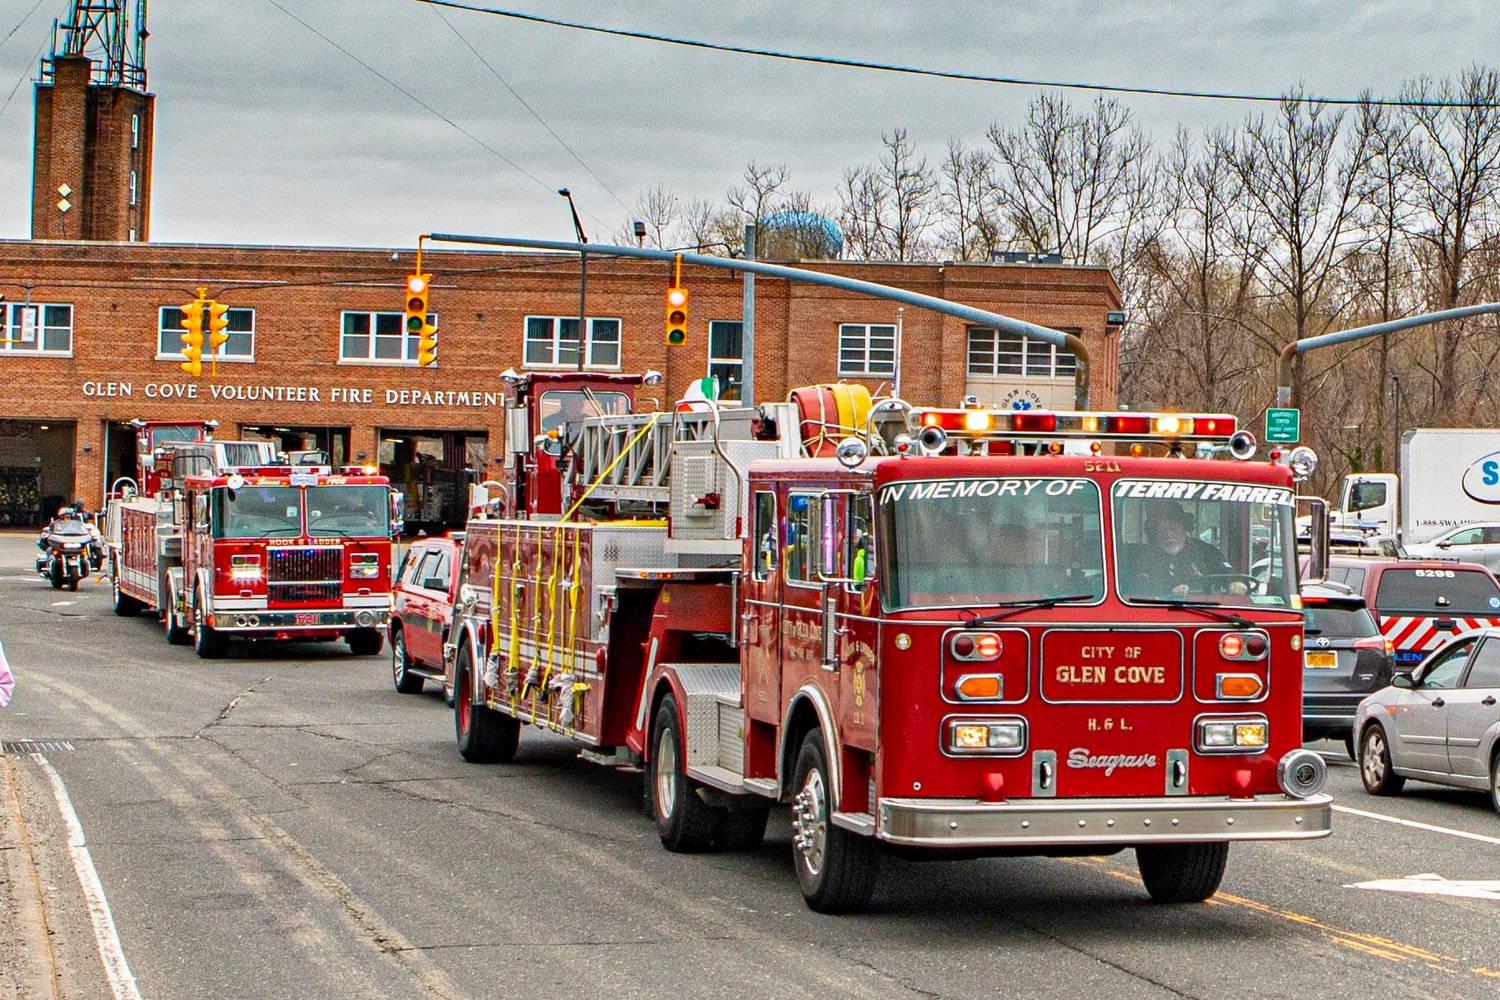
(983, 423)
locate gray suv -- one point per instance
(1344, 658)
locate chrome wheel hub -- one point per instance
(665, 773)
(1374, 762)
(810, 822)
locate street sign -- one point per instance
(1283, 426)
(28, 325)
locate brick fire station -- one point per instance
(318, 356)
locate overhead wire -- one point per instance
(540, 120)
(25, 71)
(424, 105)
(24, 18)
(1107, 88)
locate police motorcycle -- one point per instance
(66, 550)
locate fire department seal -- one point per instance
(903, 641)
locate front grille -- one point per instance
(305, 575)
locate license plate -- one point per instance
(314, 619)
(1322, 660)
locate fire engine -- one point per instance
(930, 632)
(235, 543)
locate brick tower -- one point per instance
(91, 159)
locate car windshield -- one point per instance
(1334, 621)
(348, 510)
(1185, 540)
(1438, 590)
(258, 512)
(161, 435)
(978, 542)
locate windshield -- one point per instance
(559, 405)
(1336, 621)
(977, 542)
(1441, 590)
(258, 512)
(68, 527)
(348, 510)
(161, 435)
(1225, 542)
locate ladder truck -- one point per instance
(234, 543)
(927, 631)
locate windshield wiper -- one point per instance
(1209, 608)
(1026, 604)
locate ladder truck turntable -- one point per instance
(235, 543)
(695, 594)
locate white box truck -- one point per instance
(1449, 477)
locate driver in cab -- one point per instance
(1177, 562)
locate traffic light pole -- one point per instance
(1004, 324)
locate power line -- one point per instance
(26, 17)
(422, 104)
(1106, 88)
(25, 69)
(494, 72)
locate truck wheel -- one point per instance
(125, 605)
(178, 633)
(485, 736)
(208, 642)
(741, 828)
(1375, 763)
(836, 868)
(365, 641)
(406, 682)
(684, 821)
(1182, 873)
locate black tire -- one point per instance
(73, 583)
(208, 642)
(1182, 873)
(485, 736)
(684, 821)
(406, 682)
(836, 869)
(1349, 747)
(365, 641)
(125, 606)
(56, 577)
(178, 633)
(1495, 780)
(741, 828)
(1375, 763)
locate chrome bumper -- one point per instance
(1064, 823)
(251, 622)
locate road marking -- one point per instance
(1434, 885)
(63, 604)
(121, 981)
(1419, 826)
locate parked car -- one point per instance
(1344, 658)
(1420, 603)
(1440, 723)
(1478, 543)
(422, 611)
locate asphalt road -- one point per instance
(287, 825)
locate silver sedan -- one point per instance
(1440, 724)
(1470, 542)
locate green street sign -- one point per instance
(1283, 426)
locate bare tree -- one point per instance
(968, 229)
(754, 198)
(658, 209)
(887, 208)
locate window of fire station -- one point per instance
(560, 405)
(867, 349)
(552, 342)
(1226, 543)
(36, 328)
(989, 542)
(239, 347)
(258, 512)
(348, 511)
(379, 338)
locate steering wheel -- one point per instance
(1221, 582)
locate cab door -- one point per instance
(1473, 711)
(760, 611)
(1422, 715)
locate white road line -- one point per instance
(1419, 826)
(121, 981)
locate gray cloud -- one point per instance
(266, 134)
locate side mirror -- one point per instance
(1445, 544)
(434, 583)
(1403, 681)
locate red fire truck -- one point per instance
(967, 632)
(234, 544)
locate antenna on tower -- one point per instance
(112, 33)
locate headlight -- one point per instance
(364, 565)
(244, 567)
(1003, 737)
(1232, 735)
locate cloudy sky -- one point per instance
(267, 133)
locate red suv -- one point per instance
(1420, 603)
(422, 610)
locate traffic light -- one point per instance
(418, 286)
(192, 336)
(214, 325)
(677, 313)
